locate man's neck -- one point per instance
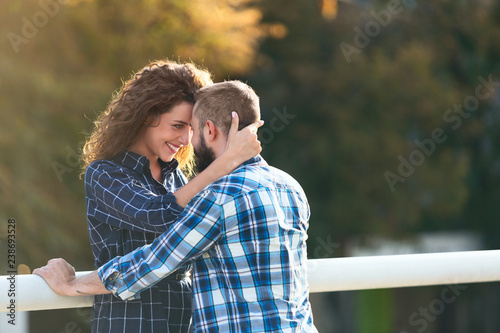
(219, 148)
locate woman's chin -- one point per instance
(167, 157)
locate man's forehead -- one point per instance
(195, 107)
(194, 119)
(194, 124)
(196, 104)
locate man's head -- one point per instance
(212, 117)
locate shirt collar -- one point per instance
(140, 163)
(254, 160)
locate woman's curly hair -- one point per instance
(149, 93)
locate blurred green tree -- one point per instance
(377, 142)
(61, 62)
(359, 99)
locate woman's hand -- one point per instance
(244, 144)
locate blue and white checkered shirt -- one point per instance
(127, 209)
(246, 236)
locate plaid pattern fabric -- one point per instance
(246, 236)
(126, 209)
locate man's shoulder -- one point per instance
(251, 177)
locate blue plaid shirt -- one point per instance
(246, 236)
(127, 209)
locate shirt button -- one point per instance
(113, 276)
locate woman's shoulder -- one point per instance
(102, 165)
(97, 168)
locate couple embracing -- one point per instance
(222, 252)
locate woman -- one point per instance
(135, 188)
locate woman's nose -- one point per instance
(186, 136)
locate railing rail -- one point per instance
(325, 275)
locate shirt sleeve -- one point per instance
(198, 228)
(124, 203)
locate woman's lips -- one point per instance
(172, 147)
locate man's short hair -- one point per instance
(215, 102)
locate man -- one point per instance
(244, 234)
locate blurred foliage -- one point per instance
(337, 123)
(358, 116)
(61, 62)
(375, 311)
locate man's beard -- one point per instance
(204, 156)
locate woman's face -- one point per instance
(167, 135)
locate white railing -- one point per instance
(325, 275)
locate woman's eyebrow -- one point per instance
(181, 122)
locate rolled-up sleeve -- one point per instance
(112, 279)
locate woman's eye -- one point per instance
(178, 126)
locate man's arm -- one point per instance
(198, 228)
(60, 276)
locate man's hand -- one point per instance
(59, 275)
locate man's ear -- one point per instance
(211, 131)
